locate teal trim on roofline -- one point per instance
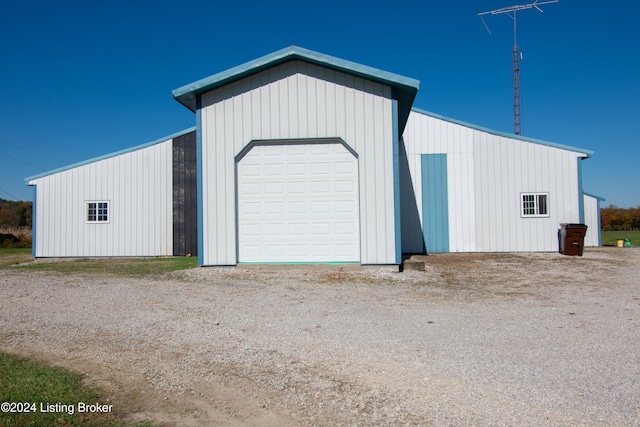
(587, 153)
(110, 155)
(601, 199)
(405, 88)
(186, 95)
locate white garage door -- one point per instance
(298, 203)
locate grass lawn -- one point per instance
(41, 395)
(611, 237)
(129, 267)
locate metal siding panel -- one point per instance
(321, 101)
(283, 107)
(412, 240)
(43, 206)
(380, 176)
(292, 98)
(116, 187)
(184, 222)
(208, 199)
(331, 103)
(303, 104)
(138, 203)
(312, 100)
(340, 105)
(409, 210)
(190, 227)
(193, 197)
(225, 170)
(179, 196)
(480, 196)
(48, 195)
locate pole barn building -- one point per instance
(300, 157)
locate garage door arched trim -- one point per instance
(293, 141)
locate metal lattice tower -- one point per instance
(516, 54)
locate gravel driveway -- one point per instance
(503, 339)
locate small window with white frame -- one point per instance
(97, 212)
(535, 205)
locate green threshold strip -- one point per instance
(299, 263)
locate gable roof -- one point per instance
(587, 153)
(405, 87)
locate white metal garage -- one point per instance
(300, 157)
(298, 203)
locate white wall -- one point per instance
(507, 167)
(427, 135)
(486, 175)
(138, 186)
(592, 220)
(297, 100)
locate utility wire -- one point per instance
(23, 162)
(9, 194)
(27, 151)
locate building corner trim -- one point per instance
(396, 181)
(199, 189)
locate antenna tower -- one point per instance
(516, 55)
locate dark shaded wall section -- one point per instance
(185, 220)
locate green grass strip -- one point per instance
(611, 237)
(35, 394)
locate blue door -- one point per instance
(435, 203)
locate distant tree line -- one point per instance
(613, 218)
(15, 214)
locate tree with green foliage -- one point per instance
(613, 218)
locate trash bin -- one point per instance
(572, 239)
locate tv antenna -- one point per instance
(517, 54)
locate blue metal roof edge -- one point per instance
(601, 199)
(186, 94)
(588, 153)
(114, 154)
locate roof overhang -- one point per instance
(405, 89)
(582, 152)
(600, 199)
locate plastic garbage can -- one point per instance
(572, 239)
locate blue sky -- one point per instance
(83, 79)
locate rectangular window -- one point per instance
(97, 211)
(535, 205)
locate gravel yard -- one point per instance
(475, 339)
